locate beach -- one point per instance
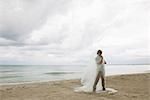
(130, 87)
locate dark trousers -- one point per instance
(99, 75)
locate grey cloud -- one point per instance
(20, 17)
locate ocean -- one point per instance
(14, 74)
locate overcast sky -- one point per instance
(71, 31)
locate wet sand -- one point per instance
(130, 87)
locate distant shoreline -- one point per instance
(35, 74)
(63, 65)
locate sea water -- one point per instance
(12, 74)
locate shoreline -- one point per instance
(132, 86)
(36, 82)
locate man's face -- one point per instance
(99, 54)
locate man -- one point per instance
(100, 70)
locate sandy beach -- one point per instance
(130, 87)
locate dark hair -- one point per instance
(99, 51)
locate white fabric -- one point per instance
(98, 59)
(89, 76)
(108, 90)
(100, 67)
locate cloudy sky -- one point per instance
(71, 31)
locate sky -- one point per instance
(71, 31)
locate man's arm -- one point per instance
(101, 60)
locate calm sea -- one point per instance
(12, 74)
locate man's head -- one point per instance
(99, 52)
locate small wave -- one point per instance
(59, 73)
(3, 77)
(8, 71)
